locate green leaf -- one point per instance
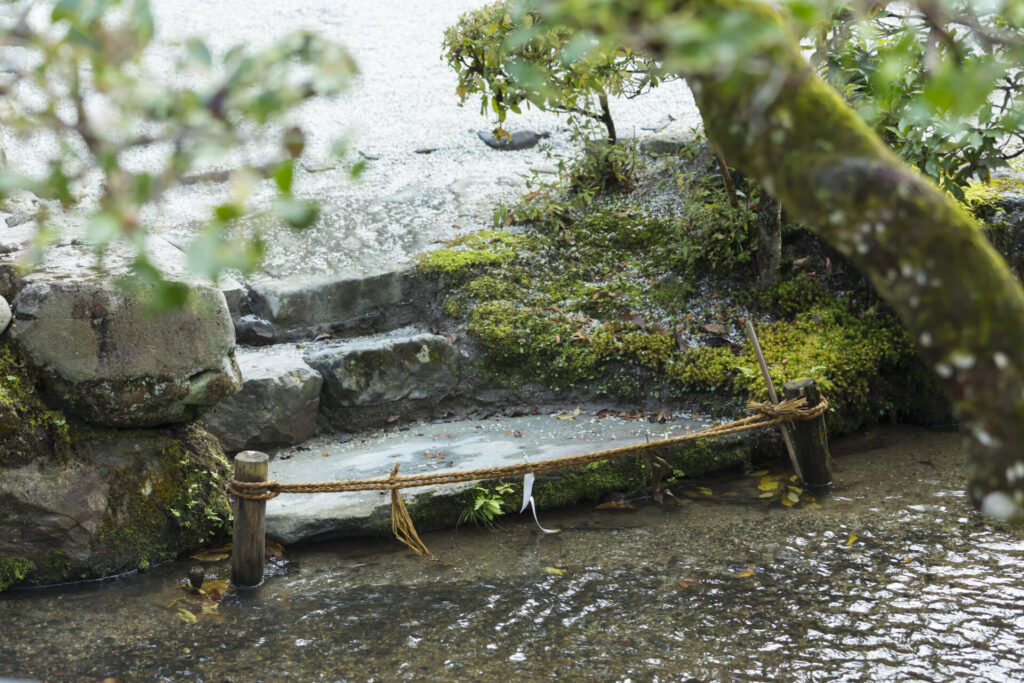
(284, 175)
(297, 213)
(103, 227)
(199, 52)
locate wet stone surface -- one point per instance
(722, 589)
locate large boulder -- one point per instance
(126, 500)
(277, 405)
(79, 502)
(103, 355)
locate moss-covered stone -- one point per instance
(13, 570)
(81, 502)
(623, 306)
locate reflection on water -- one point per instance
(895, 578)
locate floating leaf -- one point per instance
(554, 571)
(690, 582)
(851, 540)
(787, 501)
(744, 574)
(186, 616)
(569, 416)
(769, 494)
(212, 554)
(705, 491)
(768, 484)
(274, 550)
(793, 497)
(615, 505)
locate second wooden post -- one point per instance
(248, 545)
(810, 438)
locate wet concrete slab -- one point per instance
(433, 447)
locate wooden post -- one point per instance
(811, 438)
(248, 545)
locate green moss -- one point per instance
(13, 570)
(28, 427)
(471, 252)
(153, 514)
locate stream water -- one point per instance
(893, 578)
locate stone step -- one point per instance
(349, 384)
(341, 305)
(469, 444)
(403, 373)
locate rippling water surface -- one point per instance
(894, 578)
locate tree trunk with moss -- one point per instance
(769, 239)
(774, 118)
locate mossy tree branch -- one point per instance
(775, 119)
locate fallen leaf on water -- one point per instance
(219, 586)
(744, 574)
(444, 435)
(324, 454)
(439, 455)
(690, 582)
(607, 412)
(759, 473)
(569, 416)
(186, 616)
(272, 549)
(212, 554)
(851, 540)
(705, 491)
(793, 497)
(787, 501)
(769, 494)
(767, 484)
(615, 505)
(554, 571)
(715, 328)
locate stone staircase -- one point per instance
(348, 376)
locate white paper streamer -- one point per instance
(528, 501)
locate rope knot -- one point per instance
(254, 490)
(790, 409)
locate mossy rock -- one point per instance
(618, 305)
(82, 502)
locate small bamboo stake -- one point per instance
(248, 545)
(774, 397)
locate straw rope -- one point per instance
(767, 415)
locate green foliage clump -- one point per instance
(484, 505)
(941, 86)
(510, 56)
